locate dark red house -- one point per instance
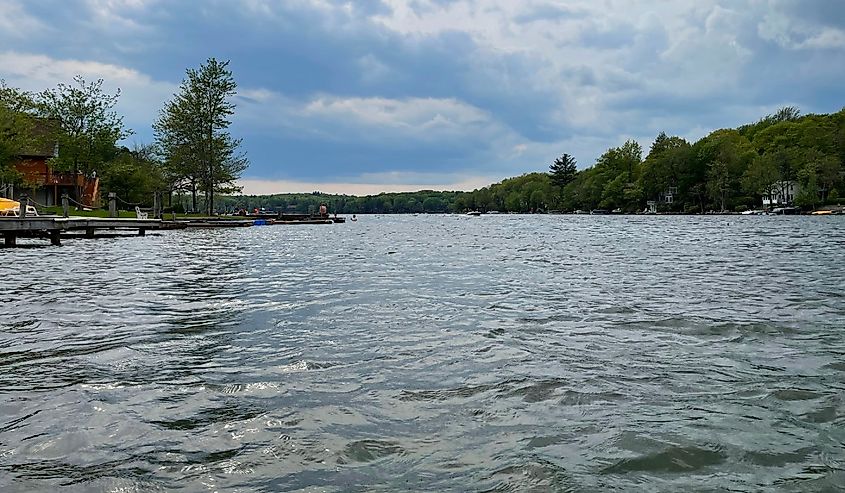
(45, 186)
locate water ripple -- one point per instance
(430, 353)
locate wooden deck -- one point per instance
(53, 226)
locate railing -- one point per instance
(67, 179)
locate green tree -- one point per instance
(434, 204)
(631, 154)
(537, 200)
(829, 174)
(664, 168)
(192, 131)
(787, 114)
(761, 177)
(718, 182)
(808, 193)
(89, 126)
(725, 154)
(135, 175)
(513, 202)
(613, 194)
(563, 170)
(16, 130)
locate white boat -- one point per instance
(473, 213)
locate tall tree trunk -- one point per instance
(193, 196)
(210, 187)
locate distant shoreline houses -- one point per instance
(781, 193)
(41, 182)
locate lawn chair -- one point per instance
(141, 215)
(13, 208)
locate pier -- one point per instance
(53, 227)
(26, 223)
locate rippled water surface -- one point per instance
(430, 353)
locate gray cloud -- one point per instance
(548, 77)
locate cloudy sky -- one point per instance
(377, 95)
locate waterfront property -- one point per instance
(40, 181)
(781, 193)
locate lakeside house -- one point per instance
(781, 193)
(667, 196)
(40, 181)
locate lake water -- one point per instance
(430, 353)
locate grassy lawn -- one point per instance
(105, 213)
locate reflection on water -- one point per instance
(430, 353)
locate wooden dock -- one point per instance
(212, 222)
(55, 227)
(52, 227)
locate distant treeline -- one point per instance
(386, 203)
(728, 170)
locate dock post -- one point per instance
(55, 238)
(112, 204)
(142, 232)
(9, 238)
(157, 205)
(65, 205)
(24, 200)
(89, 232)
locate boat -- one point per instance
(473, 213)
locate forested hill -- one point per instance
(729, 169)
(385, 203)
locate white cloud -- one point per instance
(576, 55)
(118, 15)
(141, 96)
(375, 119)
(15, 21)
(423, 114)
(828, 38)
(799, 34)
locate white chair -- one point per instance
(141, 215)
(16, 212)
